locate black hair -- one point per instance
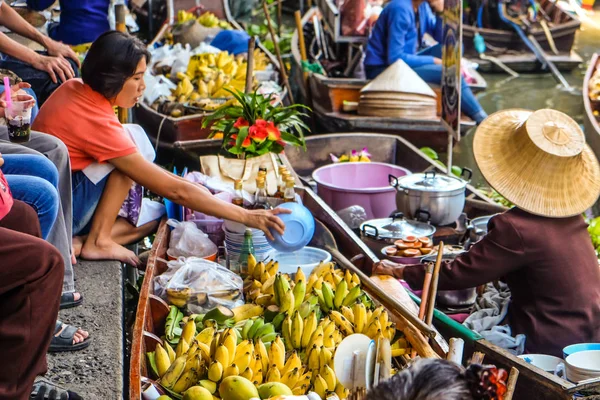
(428, 379)
(111, 60)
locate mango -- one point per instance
(237, 388)
(197, 393)
(272, 389)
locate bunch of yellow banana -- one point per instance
(400, 347)
(184, 16)
(184, 88)
(261, 61)
(208, 20)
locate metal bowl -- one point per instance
(453, 298)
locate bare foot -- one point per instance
(108, 250)
(78, 337)
(76, 246)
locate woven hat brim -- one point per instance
(533, 180)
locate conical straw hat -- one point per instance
(400, 78)
(539, 161)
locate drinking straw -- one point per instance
(7, 93)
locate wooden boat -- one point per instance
(510, 49)
(164, 129)
(152, 312)
(590, 121)
(327, 95)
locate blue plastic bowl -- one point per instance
(576, 348)
(299, 229)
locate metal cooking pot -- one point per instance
(453, 298)
(378, 233)
(477, 228)
(440, 198)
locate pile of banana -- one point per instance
(210, 76)
(281, 342)
(207, 19)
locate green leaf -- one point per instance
(242, 134)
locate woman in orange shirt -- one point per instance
(80, 113)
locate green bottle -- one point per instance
(247, 249)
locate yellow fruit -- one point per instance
(162, 360)
(232, 370)
(247, 373)
(237, 388)
(273, 375)
(329, 375)
(182, 348)
(215, 371)
(197, 393)
(189, 330)
(206, 335)
(170, 351)
(208, 385)
(261, 351)
(187, 379)
(272, 389)
(243, 360)
(173, 373)
(222, 355)
(320, 386)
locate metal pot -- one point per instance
(477, 229)
(440, 198)
(453, 298)
(378, 233)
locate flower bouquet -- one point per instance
(355, 156)
(255, 126)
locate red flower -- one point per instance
(274, 133)
(245, 143)
(241, 122)
(258, 132)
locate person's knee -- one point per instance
(48, 171)
(22, 218)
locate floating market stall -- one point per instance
(179, 117)
(329, 96)
(553, 28)
(591, 104)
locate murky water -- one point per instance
(535, 91)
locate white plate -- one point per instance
(371, 360)
(342, 361)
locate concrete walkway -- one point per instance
(96, 372)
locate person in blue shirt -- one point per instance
(80, 21)
(398, 34)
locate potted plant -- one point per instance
(254, 126)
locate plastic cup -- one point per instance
(18, 120)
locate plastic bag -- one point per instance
(189, 241)
(199, 284)
(353, 216)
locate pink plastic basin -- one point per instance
(364, 184)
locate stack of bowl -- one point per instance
(583, 365)
(234, 242)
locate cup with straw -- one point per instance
(17, 114)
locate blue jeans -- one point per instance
(86, 197)
(432, 73)
(33, 179)
(35, 109)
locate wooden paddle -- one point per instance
(250, 65)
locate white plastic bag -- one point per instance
(199, 284)
(189, 241)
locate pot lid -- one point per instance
(395, 228)
(481, 223)
(431, 182)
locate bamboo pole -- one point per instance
(279, 18)
(434, 284)
(121, 27)
(301, 43)
(250, 66)
(284, 76)
(511, 384)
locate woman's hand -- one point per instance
(16, 96)
(266, 220)
(387, 267)
(58, 49)
(56, 67)
(1, 160)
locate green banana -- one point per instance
(246, 328)
(328, 295)
(258, 323)
(353, 294)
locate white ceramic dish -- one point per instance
(583, 365)
(342, 361)
(543, 361)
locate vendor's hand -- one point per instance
(266, 220)
(56, 67)
(437, 61)
(58, 49)
(387, 267)
(17, 95)
(1, 160)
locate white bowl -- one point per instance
(308, 258)
(542, 361)
(583, 365)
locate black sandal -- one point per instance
(43, 389)
(67, 300)
(64, 341)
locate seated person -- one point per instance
(31, 274)
(80, 113)
(60, 233)
(396, 36)
(44, 71)
(429, 379)
(80, 21)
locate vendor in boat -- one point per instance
(105, 160)
(397, 34)
(541, 247)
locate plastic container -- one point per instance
(358, 183)
(299, 229)
(307, 258)
(576, 348)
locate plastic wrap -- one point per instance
(199, 284)
(189, 241)
(353, 216)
